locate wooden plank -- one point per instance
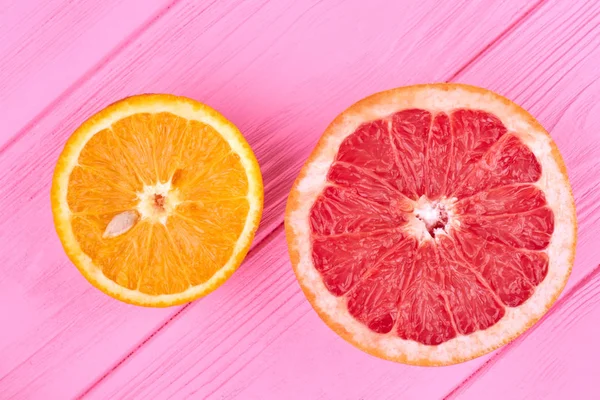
(255, 61)
(48, 46)
(304, 361)
(558, 360)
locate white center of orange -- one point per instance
(157, 202)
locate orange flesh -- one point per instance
(187, 188)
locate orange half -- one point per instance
(156, 199)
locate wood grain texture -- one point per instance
(280, 71)
(48, 46)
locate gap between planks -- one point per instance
(509, 29)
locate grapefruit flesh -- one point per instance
(419, 224)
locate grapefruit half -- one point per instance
(432, 224)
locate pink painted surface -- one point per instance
(281, 70)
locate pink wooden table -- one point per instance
(281, 70)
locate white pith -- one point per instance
(147, 202)
(427, 212)
(553, 183)
(184, 108)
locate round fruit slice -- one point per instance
(156, 199)
(432, 224)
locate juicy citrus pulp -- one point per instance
(156, 199)
(432, 223)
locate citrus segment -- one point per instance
(508, 162)
(156, 199)
(374, 299)
(508, 199)
(474, 133)
(438, 156)
(344, 259)
(409, 131)
(511, 273)
(341, 210)
(528, 230)
(432, 223)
